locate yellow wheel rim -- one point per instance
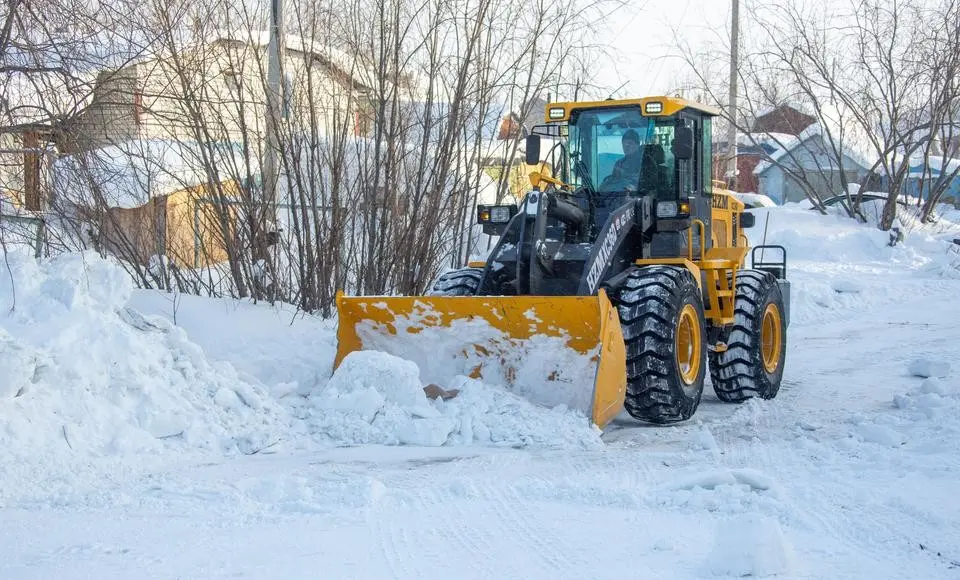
(771, 338)
(688, 345)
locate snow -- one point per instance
(749, 545)
(439, 354)
(754, 199)
(927, 368)
(479, 415)
(375, 397)
(131, 173)
(853, 145)
(933, 166)
(172, 436)
(89, 377)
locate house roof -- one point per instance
(350, 65)
(809, 133)
(783, 116)
(758, 143)
(534, 108)
(512, 125)
(935, 164)
(766, 110)
(338, 60)
(43, 98)
(131, 173)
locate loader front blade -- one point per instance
(552, 350)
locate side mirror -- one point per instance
(683, 143)
(533, 149)
(747, 220)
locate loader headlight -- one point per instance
(557, 112)
(673, 209)
(495, 214)
(653, 108)
(500, 214)
(666, 209)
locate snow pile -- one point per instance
(541, 368)
(812, 237)
(82, 375)
(749, 545)
(923, 367)
(935, 396)
(280, 346)
(375, 397)
(926, 413)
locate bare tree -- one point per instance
(870, 80)
(940, 56)
(387, 110)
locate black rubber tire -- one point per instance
(738, 373)
(462, 282)
(649, 306)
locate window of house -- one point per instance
(362, 120)
(232, 80)
(137, 106)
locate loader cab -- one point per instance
(615, 150)
(631, 183)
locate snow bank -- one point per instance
(812, 237)
(833, 259)
(753, 200)
(290, 352)
(82, 375)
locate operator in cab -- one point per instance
(628, 166)
(641, 168)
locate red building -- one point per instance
(771, 131)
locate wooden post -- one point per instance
(732, 129)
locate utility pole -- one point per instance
(732, 127)
(271, 144)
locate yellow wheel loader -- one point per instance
(615, 284)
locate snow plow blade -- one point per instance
(551, 350)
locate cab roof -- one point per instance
(656, 106)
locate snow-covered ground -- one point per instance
(145, 435)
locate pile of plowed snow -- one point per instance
(83, 375)
(375, 397)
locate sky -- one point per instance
(642, 34)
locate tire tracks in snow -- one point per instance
(476, 541)
(436, 525)
(382, 537)
(513, 510)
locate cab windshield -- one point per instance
(621, 151)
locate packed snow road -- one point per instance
(851, 472)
